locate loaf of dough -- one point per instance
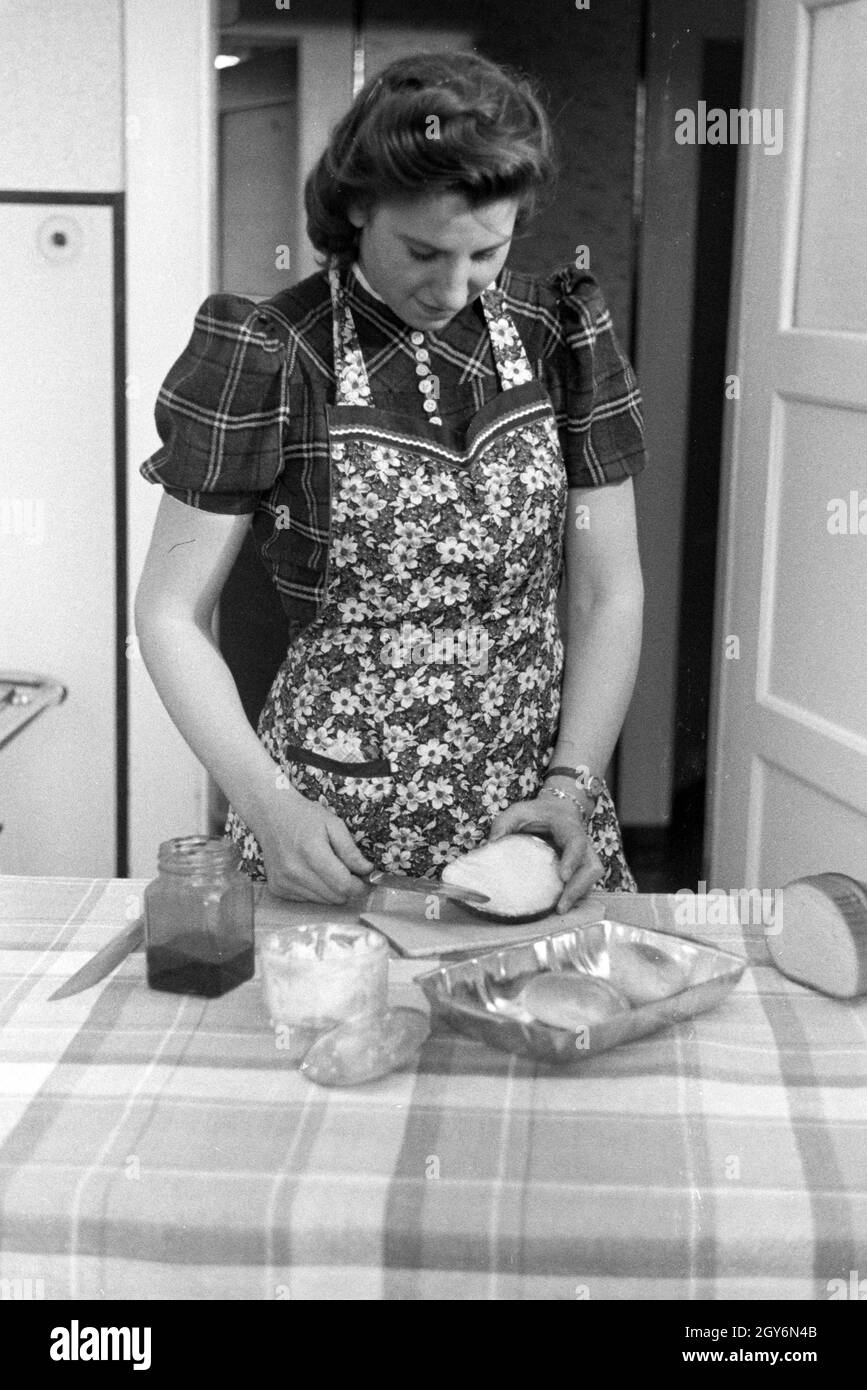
(570, 1000)
(819, 935)
(644, 973)
(519, 874)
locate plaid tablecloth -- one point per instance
(157, 1146)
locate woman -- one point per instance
(424, 441)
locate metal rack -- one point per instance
(23, 696)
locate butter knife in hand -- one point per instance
(108, 958)
(378, 878)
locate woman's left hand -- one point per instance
(580, 865)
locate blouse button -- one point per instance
(422, 355)
(269, 345)
(429, 404)
(416, 338)
(422, 369)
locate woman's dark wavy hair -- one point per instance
(490, 140)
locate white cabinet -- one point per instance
(59, 534)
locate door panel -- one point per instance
(789, 839)
(789, 727)
(805, 614)
(258, 207)
(57, 575)
(833, 260)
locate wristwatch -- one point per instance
(584, 779)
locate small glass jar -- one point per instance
(198, 913)
(317, 976)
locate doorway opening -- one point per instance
(258, 237)
(666, 858)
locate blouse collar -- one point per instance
(359, 289)
(365, 283)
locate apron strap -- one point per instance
(353, 387)
(510, 356)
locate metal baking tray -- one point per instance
(477, 996)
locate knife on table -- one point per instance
(107, 958)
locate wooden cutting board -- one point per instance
(401, 918)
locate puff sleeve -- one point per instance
(595, 394)
(221, 409)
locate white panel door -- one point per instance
(789, 792)
(57, 534)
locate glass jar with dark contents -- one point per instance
(199, 918)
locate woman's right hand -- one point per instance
(308, 853)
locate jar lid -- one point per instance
(332, 941)
(197, 853)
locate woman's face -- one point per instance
(428, 257)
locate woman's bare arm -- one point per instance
(604, 609)
(191, 553)
(308, 852)
(604, 606)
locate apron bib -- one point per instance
(424, 697)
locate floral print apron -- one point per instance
(424, 697)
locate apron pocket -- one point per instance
(335, 767)
(362, 794)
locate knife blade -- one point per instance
(107, 958)
(378, 878)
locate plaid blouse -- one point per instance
(242, 412)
